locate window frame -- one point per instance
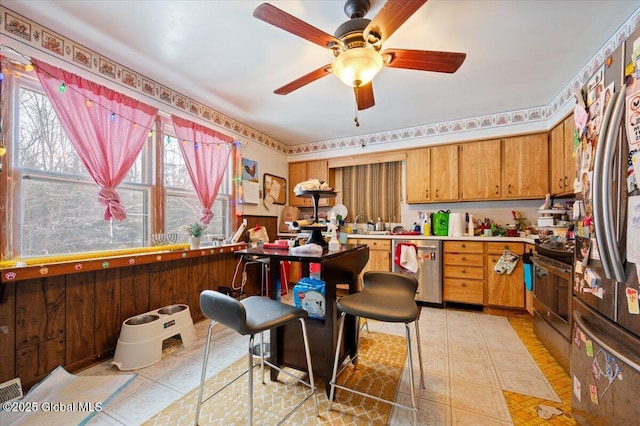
(151, 179)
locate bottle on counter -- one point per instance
(426, 225)
(471, 226)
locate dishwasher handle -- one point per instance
(427, 247)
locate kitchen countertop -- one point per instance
(530, 239)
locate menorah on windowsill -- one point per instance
(164, 239)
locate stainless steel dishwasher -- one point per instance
(429, 273)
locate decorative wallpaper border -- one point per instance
(24, 30)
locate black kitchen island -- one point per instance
(336, 267)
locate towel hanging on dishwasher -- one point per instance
(406, 256)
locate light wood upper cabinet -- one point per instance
(525, 166)
(418, 179)
(570, 167)
(432, 174)
(444, 173)
(479, 170)
(297, 173)
(561, 155)
(557, 176)
(300, 172)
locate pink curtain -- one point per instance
(206, 153)
(107, 129)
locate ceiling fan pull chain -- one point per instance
(355, 119)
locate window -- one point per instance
(56, 199)
(182, 205)
(52, 202)
(373, 190)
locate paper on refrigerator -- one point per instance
(633, 229)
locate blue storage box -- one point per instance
(309, 294)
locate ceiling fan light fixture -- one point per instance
(357, 66)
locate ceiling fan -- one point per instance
(356, 46)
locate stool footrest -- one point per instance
(395, 404)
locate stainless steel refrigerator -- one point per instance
(605, 351)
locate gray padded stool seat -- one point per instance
(250, 316)
(388, 297)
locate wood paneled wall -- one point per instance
(74, 320)
(270, 222)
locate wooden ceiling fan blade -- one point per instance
(423, 60)
(392, 15)
(364, 96)
(281, 19)
(304, 80)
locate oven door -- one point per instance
(552, 292)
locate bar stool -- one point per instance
(250, 316)
(387, 297)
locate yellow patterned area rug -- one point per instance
(380, 363)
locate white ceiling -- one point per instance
(520, 54)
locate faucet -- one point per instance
(355, 221)
(394, 221)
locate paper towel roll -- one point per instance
(456, 224)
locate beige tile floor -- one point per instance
(461, 387)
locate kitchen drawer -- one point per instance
(469, 272)
(464, 291)
(471, 259)
(498, 248)
(376, 244)
(463, 247)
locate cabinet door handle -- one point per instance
(463, 258)
(497, 189)
(463, 284)
(436, 193)
(426, 193)
(560, 183)
(566, 184)
(464, 246)
(509, 189)
(464, 271)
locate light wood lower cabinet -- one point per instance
(379, 253)
(469, 275)
(463, 272)
(505, 290)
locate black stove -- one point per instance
(557, 249)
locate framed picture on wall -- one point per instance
(249, 170)
(274, 190)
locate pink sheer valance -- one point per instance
(206, 154)
(106, 128)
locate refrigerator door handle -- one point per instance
(598, 185)
(607, 202)
(577, 317)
